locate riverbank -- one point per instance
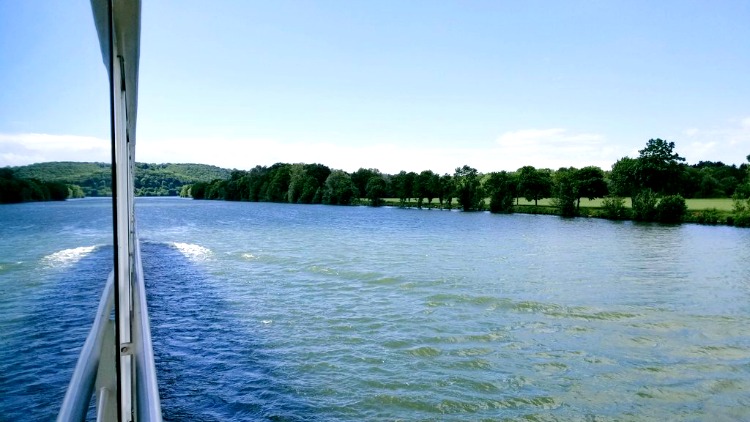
(708, 211)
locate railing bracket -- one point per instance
(126, 349)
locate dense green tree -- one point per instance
(710, 187)
(297, 179)
(198, 190)
(94, 179)
(57, 191)
(319, 172)
(234, 188)
(716, 179)
(278, 183)
(501, 188)
(468, 188)
(534, 184)
(426, 186)
(404, 186)
(622, 178)
(339, 189)
(75, 191)
(376, 189)
(658, 167)
(589, 183)
(743, 189)
(361, 177)
(14, 189)
(564, 191)
(255, 181)
(446, 190)
(304, 184)
(216, 189)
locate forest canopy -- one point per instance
(94, 179)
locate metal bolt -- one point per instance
(124, 349)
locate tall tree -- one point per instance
(468, 188)
(622, 178)
(658, 167)
(501, 188)
(361, 177)
(564, 191)
(425, 187)
(277, 188)
(589, 183)
(376, 188)
(339, 189)
(297, 178)
(534, 184)
(404, 186)
(446, 190)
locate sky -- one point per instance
(393, 85)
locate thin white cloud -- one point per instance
(691, 132)
(729, 144)
(555, 148)
(26, 148)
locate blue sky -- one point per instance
(394, 85)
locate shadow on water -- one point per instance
(208, 365)
(42, 332)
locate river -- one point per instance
(307, 312)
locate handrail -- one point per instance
(87, 373)
(147, 389)
(78, 395)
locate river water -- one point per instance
(302, 312)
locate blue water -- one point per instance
(301, 312)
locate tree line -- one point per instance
(95, 179)
(657, 181)
(14, 189)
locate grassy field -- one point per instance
(721, 204)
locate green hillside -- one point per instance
(150, 179)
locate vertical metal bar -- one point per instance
(96, 351)
(124, 236)
(112, 85)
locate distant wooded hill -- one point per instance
(150, 179)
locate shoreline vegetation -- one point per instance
(656, 186)
(15, 190)
(62, 180)
(652, 188)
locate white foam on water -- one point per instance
(249, 256)
(192, 251)
(68, 256)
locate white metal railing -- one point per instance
(148, 406)
(118, 359)
(77, 397)
(95, 369)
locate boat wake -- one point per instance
(192, 251)
(67, 257)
